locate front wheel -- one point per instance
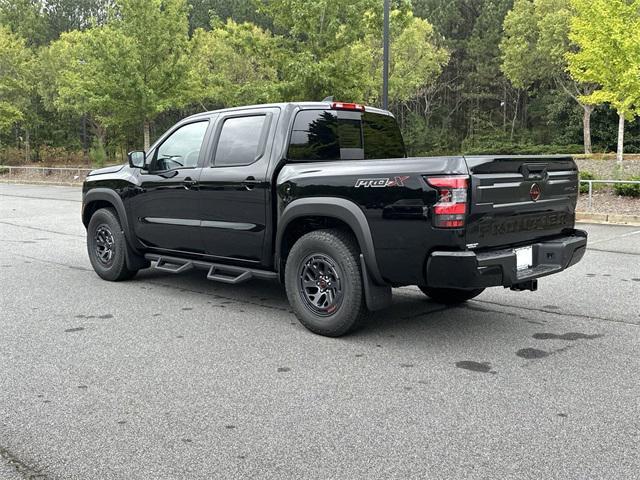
(107, 245)
(450, 296)
(324, 284)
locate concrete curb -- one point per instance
(608, 218)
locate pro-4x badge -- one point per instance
(381, 182)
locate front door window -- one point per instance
(182, 148)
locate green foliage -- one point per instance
(97, 153)
(466, 75)
(240, 11)
(15, 78)
(585, 175)
(607, 33)
(25, 18)
(239, 66)
(628, 189)
(416, 63)
(126, 72)
(334, 48)
(536, 41)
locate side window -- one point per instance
(240, 141)
(182, 148)
(382, 137)
(314, 136)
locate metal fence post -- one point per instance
(590, 193)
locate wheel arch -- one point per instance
(99, 198)
(333, 211)
(103, 198)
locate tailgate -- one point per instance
(515, 200)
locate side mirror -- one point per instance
(136, 159)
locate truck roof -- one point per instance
(284, 105)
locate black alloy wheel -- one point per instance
(320, 284)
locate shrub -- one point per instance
(12, 156)
(628, 189)
(53, 156)
(98, 154)
(586, 175)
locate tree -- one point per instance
(67, 15)
(335, 48)
(128, 71)
(238, 64)
(607, 34)
(15, 78)
(471, 98)
(26, 19)
(317, 36)
(240, 11)
(534, 48)
(416, 60)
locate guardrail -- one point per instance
(612, 182)
(44, 170)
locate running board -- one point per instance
(216, 271)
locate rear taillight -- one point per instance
(450, 210)
(347, 106)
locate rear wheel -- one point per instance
(324, 283)
(450, 296)
(107, 246)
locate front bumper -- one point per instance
(470, 270)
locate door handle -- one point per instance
(250, 182)
(189, 183)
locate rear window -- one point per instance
(344, 135)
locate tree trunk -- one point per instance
(85, 140)
(620, 154)
(586, 128)
(27, 146)
(147, 140)
(515, 117)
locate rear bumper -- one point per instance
(470, 270)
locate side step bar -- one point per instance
(217, 271)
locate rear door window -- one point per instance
(241, 141)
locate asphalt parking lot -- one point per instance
(173, 376)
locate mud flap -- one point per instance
(376, 296)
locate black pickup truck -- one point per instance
(322, 197)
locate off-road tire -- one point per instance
(104, 223)
(339, 250)
(450, 296)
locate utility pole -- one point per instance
(385, 57)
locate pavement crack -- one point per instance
(41, 198)
(617, 252)
(42, 230)
(427, 312)
(51, 262)
(560, 314)
(617, 237)
(218, 296)
(25, 470)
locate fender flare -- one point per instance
(134, 260)
(338, 208)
